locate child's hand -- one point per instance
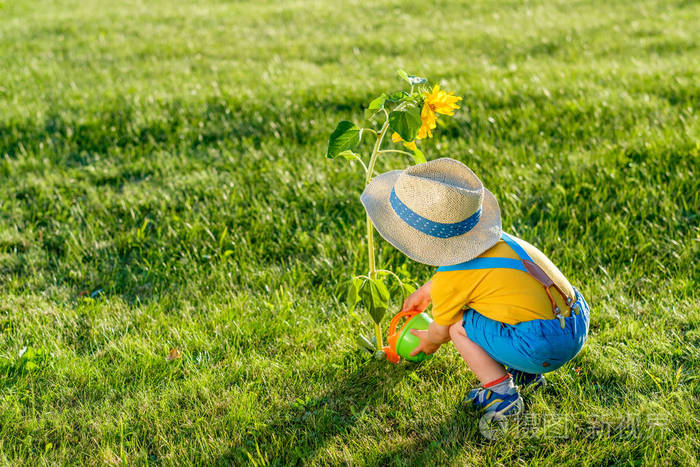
(426, 345)
(418, 300)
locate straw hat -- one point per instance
(437, 213)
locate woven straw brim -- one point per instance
(426, 248)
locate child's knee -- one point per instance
(457, 331)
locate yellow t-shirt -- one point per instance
(506, 295)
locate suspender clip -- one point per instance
(557, 313)
(561, 321)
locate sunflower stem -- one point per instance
(378, 330)
(370, 228)
(361, 162)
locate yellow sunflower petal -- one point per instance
(442, 102)
(428, 119)
(411, 145)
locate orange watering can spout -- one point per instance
(391, 355)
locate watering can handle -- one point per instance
(403, 314)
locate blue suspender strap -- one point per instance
(494, 263)
(486, 263)
(515, 246)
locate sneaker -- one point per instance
(526, 381)
(509, 403)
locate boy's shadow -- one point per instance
(304, 426)
(436, 442)
(301, 428)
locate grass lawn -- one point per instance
(163, 185)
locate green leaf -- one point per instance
(380, 298)
(365, 344)
(375, 297)
(222, 238)
(346, 136)
(353, 295)
(406, 121)
(377, 103)
(418, 156)
(397, 96)
(408, 289)
(403, 75)
(349, 155)
(375, 106)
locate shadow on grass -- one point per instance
(73, 135)
(104, 194)
(361, 395)
(302, 427)
(435, 442)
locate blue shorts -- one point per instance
(536, 346)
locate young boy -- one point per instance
(509, 311)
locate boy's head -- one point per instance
(437, 213)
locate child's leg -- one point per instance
(484, 367)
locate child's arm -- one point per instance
(436, 335)
(418, 300)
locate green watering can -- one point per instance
(402, 342)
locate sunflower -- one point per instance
(441, 102)
(436, 102)
(395, 137)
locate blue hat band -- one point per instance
(432, 228)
